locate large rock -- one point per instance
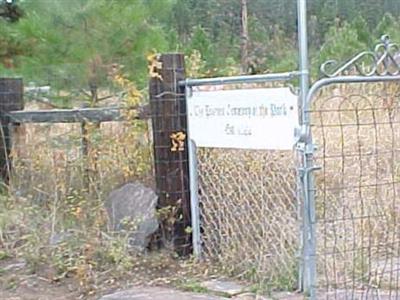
(132, 208)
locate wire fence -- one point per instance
(54, 159)
(357, 128)
(249, 212)
(92, 154)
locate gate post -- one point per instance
(169, 121)
(11, 99)
(308, 266)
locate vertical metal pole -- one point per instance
(194, 186)
(194, 199)
(308, 265)
(303, 54)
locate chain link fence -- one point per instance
(357, 129)
(249, 212)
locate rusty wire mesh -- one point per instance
(249, 214)
(357, 129)
(55, 159)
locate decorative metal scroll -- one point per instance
(384, 60)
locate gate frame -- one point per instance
(382, 57)
(192, 156)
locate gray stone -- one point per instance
(132, 208)
(156, 293)
(223, 287)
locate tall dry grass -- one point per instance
(52, 213)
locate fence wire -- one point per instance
(357, 129)
(249, 214)
(49, 159)
(55, 194)
(96, 157)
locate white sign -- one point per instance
(244, 119)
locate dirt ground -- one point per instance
(153, 271)
(18, 282)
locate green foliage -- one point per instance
(74, 35)
(341, 44)
(361, 26)
(388, 25)
(81, 31)
(385, 24)
(201, 42)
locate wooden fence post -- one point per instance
(11, 99)
(169, 121)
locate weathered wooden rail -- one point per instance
(96, 115)
(67, 115)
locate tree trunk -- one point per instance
(244, 35)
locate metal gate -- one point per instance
(245, 203)
(351, 206)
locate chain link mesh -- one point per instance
(249, 213)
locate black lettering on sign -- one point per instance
(278, 110)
